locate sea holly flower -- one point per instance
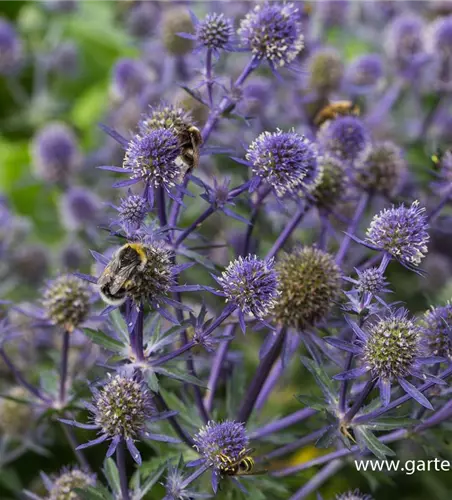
(177, 484)
(309, 284)
(390, 350)
(353, 495)
(346, 138)
(121, 411)
(11, 51)
(286, 162)
(129, 78)
(331, 184)
(251, 285)
(273, 32)
(132, 212)
(218, 440)
(401, 232)
(325, 70)
(364, 73)
(437, 329)
(176, 20)
(381, 169)
(214, 32)
(55, 153)
(165, 116)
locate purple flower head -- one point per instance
(286, 161)
(439, 37)
(121, 411)
(141, 19)
(438, 331)
(365, 72)
(165, 116)
(177, 486)
(31, 263)
(62, 486)
(66, 302)
(372, 281)
(221, 438)
(175, 19)
(215, 32)
(333, 12)
(402, 232)
(345, 137)
(391, 350)
(79, 208)
(132, 211)
(152, 158)
(330, 186)
(55, 153)
(129, 78)
(381, 169)
(404, 42)
(65, 59)
(10, 47)
(353, 495)
(274, 32)
(251, 284)
(325, 69)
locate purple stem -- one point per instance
(207, 213)
(209, 77)
(63, 366)
(21, 379)
(194, 476)
(215, 370)
(288, 230)
(399, 401)
(444, 413)
(161, 207)
(138, 335)
(359, 401)
(315, 482)
(168, 357)
(283, 423)
(121, 464)
(253, 219)
(444, 200)
(360, 209)
(295, 445)
(260, 377)
(388, 438)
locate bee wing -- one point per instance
(116, 276)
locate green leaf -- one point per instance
(367, 440)
(152, 380)
(322, 378)
(179, 375)
(93, 493)
(390, 423)
(50, 381)
(312, 402)
(102, 339)
(150, 481)
(327, 439)
(112, 474)
(120, 324)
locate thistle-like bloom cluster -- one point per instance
(372, 281)
(438, 331)
(273, 32)
(285, 161)
(62, 487)
(132, 211)
(215, 31)
(402, 232)
(325, 69)
(309, 282)
(66, 302)
(251, 284)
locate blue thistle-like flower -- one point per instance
(176, 20)
(381, 169)
(79, 208)
(404, 42)
(62, 486)
(401, 232)
(439, 37)
(176, 486)
(286, 161)
(438, 331)
(331, 183)
(364, 72)
(55, 153)
(129, 78)
(10, 47)
(141, 19)
(152, 158)
(346, 137)
(66, 302)
(165, 116)
(391, 350)
(221, 438)
(372, 281)
(132, 212)
(325, 70)
(273, 32)
(121, 411)
(251, 284)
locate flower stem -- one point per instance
(138, 335)
(260, 377)
(121, 463)
(70, 436)
(195, 475)
(288, 230)
(359, 401)
(315, 482)
(207, 213)
(253, 219)
(64, 366)
(283, 423)
(161, 206)
(209, 81)
(360, 209)
(444, 200)
(21, 379)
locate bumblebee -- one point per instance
(242, 466)
(334, 109)
(437, 158)
(118, 277)
(190, 142)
